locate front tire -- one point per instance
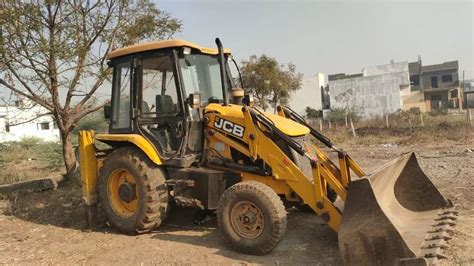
(251, 217)
(133, 191)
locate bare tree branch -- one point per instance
(54, 48)
(29, 120)
(91, 109)
(30, 95)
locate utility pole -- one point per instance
(461, 96)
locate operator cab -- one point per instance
(158, 91)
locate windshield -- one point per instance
(201, 74)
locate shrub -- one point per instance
(49, 152)
(339, 114)
(439, 111)
(28, 142)
(98, 124)
(414, 110)
(312, 113)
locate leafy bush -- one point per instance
(312, 113)
(29, 142)
(51, 153)
(339, 114)
(414, 110)
(98, 124)
(2, 160)
(439, 111)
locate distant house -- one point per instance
(396, 86)
(438, 84)
(469, 94)
(21, 119)
(309, 95)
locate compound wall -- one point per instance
(369, 96)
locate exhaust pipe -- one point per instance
(220, 50)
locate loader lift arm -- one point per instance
(346, 163)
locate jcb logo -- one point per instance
(229, 127)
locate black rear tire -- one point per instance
(251, 217)
(152, 191)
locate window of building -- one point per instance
(7, 128)
(436, 101)
(43, 126)
(454, 93)
(447, 78)
(415, 80)
(434, 82)
(436, 97)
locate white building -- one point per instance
(309, 94)
(376, 91)
(17, 121)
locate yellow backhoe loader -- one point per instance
(177, 137)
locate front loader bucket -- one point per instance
(395, 216)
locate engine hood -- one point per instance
(287, 126)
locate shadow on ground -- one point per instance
(58, 207)
(308, 238)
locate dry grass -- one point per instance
(451, 126)
(29, 159)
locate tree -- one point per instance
(270, 82)
(56, 50)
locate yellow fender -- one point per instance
(139, 141)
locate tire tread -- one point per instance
(152, 212)
(270, 199)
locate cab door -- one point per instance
(161, 107)
(122, 100)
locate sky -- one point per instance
(333, 37)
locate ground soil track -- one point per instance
(47, 227)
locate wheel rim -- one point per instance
(123, 193)
(247, 220)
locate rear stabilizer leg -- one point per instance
(88, 168)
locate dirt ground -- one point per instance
(48, 227)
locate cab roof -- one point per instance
(155, 45)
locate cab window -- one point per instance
(201, 74)
(159, 95)
(121, 100)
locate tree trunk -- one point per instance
(68, 155)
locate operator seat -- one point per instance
(166, 112)
(165, 106)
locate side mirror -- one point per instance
(248, 100)
(107, 111)
(194, 100)
(237, 94)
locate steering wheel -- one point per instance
(212, 99)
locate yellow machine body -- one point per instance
(363, 201)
